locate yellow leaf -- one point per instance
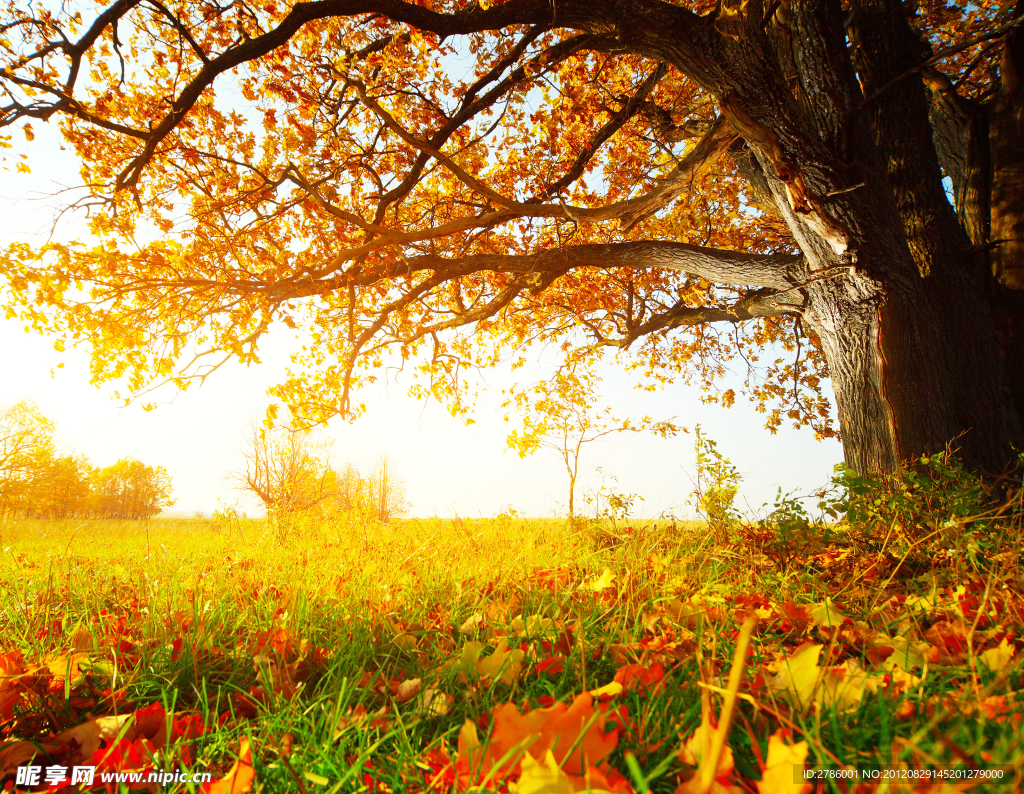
(502, 665)
(471, 623)
(603, 582)
(778, 772)
(543, 777)
(844, 686)
(826, 615)
(534, 626)
(608, 690)
(997, 658)
(800, 674)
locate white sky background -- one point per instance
(448, 467)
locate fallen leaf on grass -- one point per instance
(359, 717)
(646, 680)
(842, 687)
(546, 777)
(574, 734)
(471, 623)
(503, 665)
(826, 615)
(799, 674)
(67, 668)
(997, 658)
(11, 671)
(239, 778)
(432, 703)
(603, 582)
(692, 752)
(777, 776)
(534, 626)
(408, 689)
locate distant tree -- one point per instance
(26, 453)
(63, 489)
(386, 491)
(352, 492)
(130, 489)
(561, 418)
(288, 471)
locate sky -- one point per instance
(449, 468)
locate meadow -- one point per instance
(880, 651)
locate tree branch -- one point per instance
(782, 272)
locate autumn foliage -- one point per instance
(646, 667)
(452, 183)
(37, 481)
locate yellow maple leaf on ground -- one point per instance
(799, 674)
(692, 753)
(503, 665)
(806, 684)
(546, 777)
(997, 658)
(542, 777)
(777, 777)
(826, 615)
(603, 582)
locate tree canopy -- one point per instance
(693, 185)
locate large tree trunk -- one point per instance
(979, 147)
(907, 327)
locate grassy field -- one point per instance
(514, 655)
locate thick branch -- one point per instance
(780, 272)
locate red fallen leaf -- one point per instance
(281, 641)
(906, 709)
(797, 617)
(123, 756)
(438, 769)
(239, 778)
(948, 637)
(551, 665)
(648, 680)
(246, 706)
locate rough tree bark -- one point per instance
(908, 332)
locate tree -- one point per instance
(687, 183)
(129, 489)
(561, 420)
(26, 453)
(63, 489)
(288, 471)
(385, 490)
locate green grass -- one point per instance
(280, 642)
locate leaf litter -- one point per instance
(619, 675)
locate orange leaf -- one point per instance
(239, 778)
(578, 728)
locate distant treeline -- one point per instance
(37, 482)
